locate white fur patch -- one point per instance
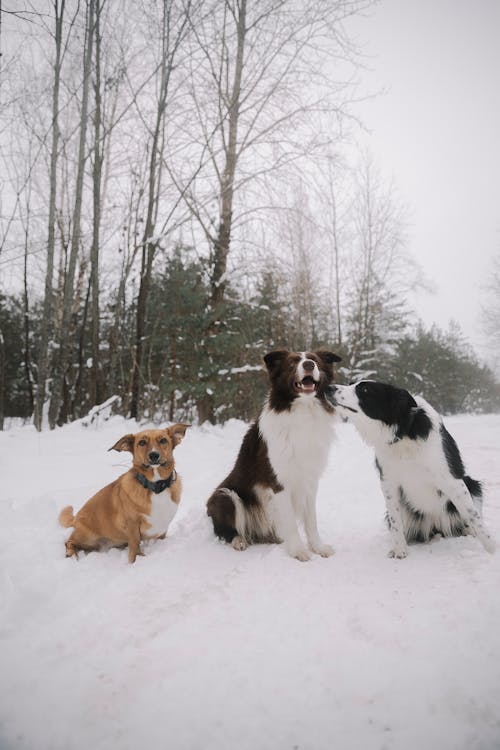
(298, 443)
(163, 510)
(258, 521)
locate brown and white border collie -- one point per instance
(275, 478)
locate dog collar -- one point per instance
(159, 485)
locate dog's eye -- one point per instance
(142, 442)
(163, 441)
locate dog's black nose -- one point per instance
(154, 457)
(308, 365)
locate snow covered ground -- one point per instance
(199, 647)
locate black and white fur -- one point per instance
(272, 486)
(422, 474)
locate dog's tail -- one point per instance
(475, 488)
(66, 517)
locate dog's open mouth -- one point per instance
(349, 408)
(335, 402)
(306, 385)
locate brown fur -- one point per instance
(116, 515)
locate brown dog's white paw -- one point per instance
(239, 544)
(325, 550)
(301, 554)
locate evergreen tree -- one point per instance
(442, 367)
(14, 390)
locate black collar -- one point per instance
(159, 485)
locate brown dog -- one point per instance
(138, 505)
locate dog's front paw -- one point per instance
(300, 554)
(133, 554)
(239, 544)
(325, 550)
(398, 552)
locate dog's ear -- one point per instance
(328, 357)
(273, 359)
(126, 443)
(177, 432)
(406, 409)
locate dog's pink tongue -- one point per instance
(309, 387)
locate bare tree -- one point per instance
(47, 314)
(381, 273)
(490, 312)
(95, 394)
(262, 73)
(174, 27)
(63, 358)
(330, 190)
(263, 79)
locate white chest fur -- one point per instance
(298, 440)
(163, 510)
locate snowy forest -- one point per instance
(182, 191)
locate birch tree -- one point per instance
(63, 355)
(265, 96)
(381, 273)
(47, 316)
(263, 73)
(175, 19)
(490, 312)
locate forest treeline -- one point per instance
(181, 191)
(185, 366)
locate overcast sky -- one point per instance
(436, 131)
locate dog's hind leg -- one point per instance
(459, 495)
(222, 510)
(72, 549)
(81, 541)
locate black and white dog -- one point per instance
(275, 478)
(423, 478)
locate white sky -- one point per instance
(436, 131)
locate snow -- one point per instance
(197, 646)
(239, 370)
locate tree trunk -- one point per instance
(26, 312)
(148, 243)
(47, 314)
(223, 240)
(63, 360)
(95, 394)
(75, 410)
(2, 380)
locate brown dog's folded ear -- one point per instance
(327, 356)
(126, 443)
(274, 358)
(177, 432)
